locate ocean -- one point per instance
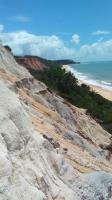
(95, 73)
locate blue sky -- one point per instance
(78, 29)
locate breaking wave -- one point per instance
(87, 78)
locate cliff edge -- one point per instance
(50, 149)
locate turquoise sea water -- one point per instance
(96, 73)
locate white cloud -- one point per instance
(97, 51)
(99, 32)
(52, 47)
(23, 43)
(20, 18)
(1, 28)
(75, 39)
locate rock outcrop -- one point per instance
(30, 62)
(50, 150)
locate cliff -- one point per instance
(66, 62)
(49, 148)
(38, 63)
(30, 62)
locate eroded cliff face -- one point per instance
(49, 148)
(30, 62)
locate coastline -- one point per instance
(106, 93)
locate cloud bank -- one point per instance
(52, 47)
(99, 32)
(23, 43)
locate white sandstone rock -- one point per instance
(30, 167)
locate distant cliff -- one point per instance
(38, 63)
(66, 62)
(30, 62)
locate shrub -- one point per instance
(67, 86)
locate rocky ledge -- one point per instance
(50, 150)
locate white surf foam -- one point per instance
(88, 79)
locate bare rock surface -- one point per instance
(50, 150)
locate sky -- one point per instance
(57, 29)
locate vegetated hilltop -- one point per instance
(50, 149)
(38, 63)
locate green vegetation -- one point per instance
(46, 62)
(67, 86)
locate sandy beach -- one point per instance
(104, 92)
(100, 90)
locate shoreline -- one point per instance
(107, 94)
